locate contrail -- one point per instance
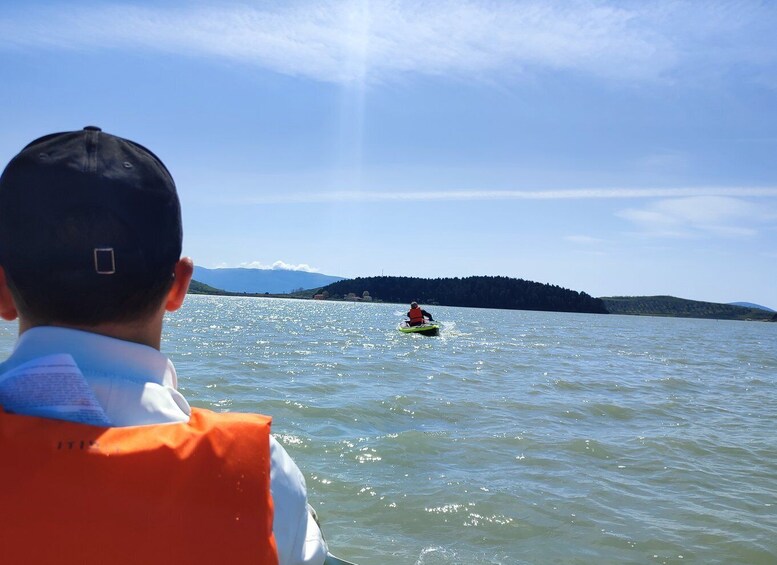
(485, 195)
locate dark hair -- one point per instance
(83, 307)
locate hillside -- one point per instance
(259, 281)
(751, 305)
(196, 287)
(480, 292)
(680, 307)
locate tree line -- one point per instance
(477, 292)
(682, 308)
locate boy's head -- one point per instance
(90, 229)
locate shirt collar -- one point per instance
(95, 354)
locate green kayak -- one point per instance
(424, 329)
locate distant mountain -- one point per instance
(680, 307)
(751, 305)
(273, 281)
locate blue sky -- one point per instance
(617, 148)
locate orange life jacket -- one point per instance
(416, 315)
(196, 492)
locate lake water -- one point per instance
(513, 437)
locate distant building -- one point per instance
(366, 296)
(319, 297)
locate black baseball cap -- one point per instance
(90, 209)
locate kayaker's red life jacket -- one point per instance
(196, 492)
(416, 316)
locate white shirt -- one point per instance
(128, 384)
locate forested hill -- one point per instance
(479, 292)
(680, 307)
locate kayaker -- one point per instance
(417, 315)
(103, 458)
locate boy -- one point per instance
(90, 244)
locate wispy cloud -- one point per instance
(358, 40)
(484, 195)
(583, 239)
(278, 266)
(701, 215)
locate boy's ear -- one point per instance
(184, 269)
(7, 305)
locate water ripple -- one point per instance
(513, 437)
